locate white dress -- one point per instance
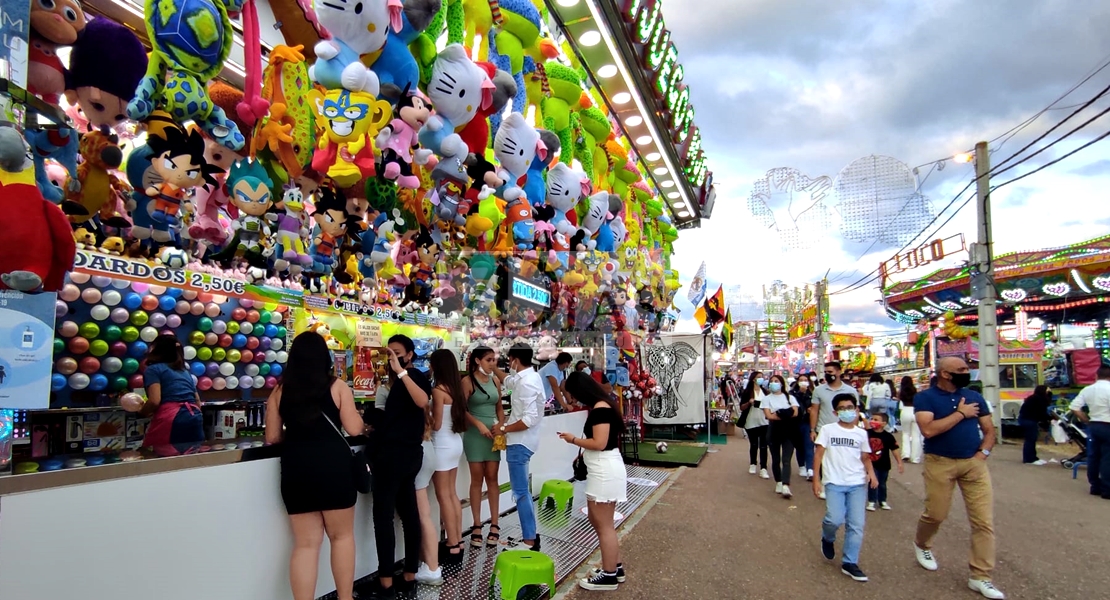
(448, 444)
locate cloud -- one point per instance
(815, 85)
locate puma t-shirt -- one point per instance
(844, 450)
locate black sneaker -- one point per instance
(620, 573)
(375, 591)
(853, 571)
(828, 550)
(599, 581)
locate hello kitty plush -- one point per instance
(515, 146)
(356, 29)
(565, 187)
(592, 222)
(457, 89)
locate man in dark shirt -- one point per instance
(396, 463)
(959, 435)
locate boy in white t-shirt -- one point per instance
(843, 459)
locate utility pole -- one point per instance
(822, 336)
(984, 260)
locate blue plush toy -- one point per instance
(59, 145)
(535, 186)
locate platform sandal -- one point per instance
(476, 536)
(494, 537)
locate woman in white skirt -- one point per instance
(448, 423)
(606, 479)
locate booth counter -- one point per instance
(208, 525)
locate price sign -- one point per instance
(369, 334)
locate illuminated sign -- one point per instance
(932, 252)
(529, 293)
(660, 58)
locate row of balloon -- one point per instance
(104, 328)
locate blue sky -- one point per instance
(815, 85)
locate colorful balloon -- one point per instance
(148, 334)
(78, 345)
(251, 370)
(90, 295)
(204, 353)
(118, 348)
(58, 382)
(120, 315)
(111, 365)
(196, 368)
(118, 383)
(130, 334)
(112, 333)
(68, 329)
(204, 384)
(140, 287)
(132, 301)
(246, 303)
(204, 324)
(246, 356)
(276, 370)
(66, 365)
(276, 318)
(258, 382)
(135, 382)
(211, 339)
(139, 318)
(130, 366)
(157, 290)
(137, 349)
(196, 308)
(238, 341)
(204, 297)
(232, 327)
(232, 382)
(264, 343)
(98, 382)
(227, 369)
(277, 344)
(219, 327)
(252, 343)
(88, 365)
(212, 309)
(218, 383)
(212, 368)
(157, 320)
(219, 354)
(173, 321)
(246, 382)
(271, 382)
(89, 330)
(101, 281)
(131, 402)
(233, 356)
(246, 327)
(100, 312)
(264, 369)
(181, 307)
(59, 345)
(98, 347)
(79, 278)
(111, 297)
(189, 352)
(121, 284)
(253, 316)
(78, 381)
(239, 313)
(226, 340)
(61, 309)
(167, 302)
(188, 294)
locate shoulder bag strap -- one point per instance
(337, 432)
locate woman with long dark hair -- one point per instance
(781, 410)
(172, 400)
(307, 413)
(1032, 417)
(483, 393)
(606, 478)
(913, 443)
(754, 422)
(448, 424)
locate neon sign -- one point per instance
(530, 293)
(660, 59)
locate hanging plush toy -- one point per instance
(38, 242)
(535, 185)
(59, 145)
(565, 187)
(516, 31)
(101, 155)
(595, 217)
(103, 93)
(292, 228)
(355, 29)
(517, 143)
(192, 39)
(476, 133)
(331, 226)
(397, 140)
(54, 23)
(286, 136)
(458, 89)
(178, 160)
(248, 187)
(349, 121)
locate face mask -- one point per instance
(760, 381)
(846, 416)
(803, 384)
(877, 425)
(484, 372)
(830, 378)
(960, 380)
(776, 387)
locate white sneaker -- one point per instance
(786, 493)
(1038, 463)
(870, 507)
(822, 494)
(427, 576)
(985, 588)
(925, 558)
(778, 488)
(885, 506)
(763, 474)
(752, 470)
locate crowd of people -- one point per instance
(419, 429)
(843, 441)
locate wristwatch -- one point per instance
(985, 452)
(502, 429)
(402, 374)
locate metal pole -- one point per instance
(705, 377)
(988, 318)
(822, 300)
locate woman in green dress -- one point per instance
(483, 391)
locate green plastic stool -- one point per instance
(560, 490)
(518, 568)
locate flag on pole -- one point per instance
(697, 287)
(726, 330)
(715, 308)
(699, 316)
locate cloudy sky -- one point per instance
(815, 85)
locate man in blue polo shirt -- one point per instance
(959, 436)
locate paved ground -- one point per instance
(718, 532)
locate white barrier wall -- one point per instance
(217, 532)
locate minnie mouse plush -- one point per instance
(398, 139)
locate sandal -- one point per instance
(475, 536)
(494, 536)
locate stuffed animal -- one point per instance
(458, 89)
(59, 145)
(535, 185)
(355, 29)
(566, 91)
(292, 228)
(192, 39)
(516, 29)
(54, 23)
(349, 122)
(103, 93)
(596, 213)
(476, 133)
(178, 160)
(331, 225)
(101, 154)
(517, 143)
(397, 141)
(286, 136)
(248, 187)
(38, 243)
(565, 187)
(395, 64)
(253, 106)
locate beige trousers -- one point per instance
(942, 475)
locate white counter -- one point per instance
(216, 532)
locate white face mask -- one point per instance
(484, 372)
(803, 384)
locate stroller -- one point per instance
(1074, 428)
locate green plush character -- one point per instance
(595, 130)
(566, 91)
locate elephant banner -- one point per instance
(677, 362)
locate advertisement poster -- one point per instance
(677, 364)
(15, 29)
(26, 349)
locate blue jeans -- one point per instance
(518, 457)
(805, 450)
(1032, 431)
(879, 494)
(1098, 458)
(845, 505)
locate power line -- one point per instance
(1057, 141)
(1049, 164)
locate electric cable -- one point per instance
(1057, 141)
(1050, 163)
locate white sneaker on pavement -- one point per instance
(925, 558)
(427, 576)
(821, 495)
(870, 507)
(752, 470)
(885, 506)
(1038, 463)
(778, 488)
(763, 474)
(786, 493)
(986, 588)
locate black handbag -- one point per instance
(360, 469)
(579, 466)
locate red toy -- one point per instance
(38, 241)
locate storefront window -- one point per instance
(1018, 376)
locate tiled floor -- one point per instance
(566, 536)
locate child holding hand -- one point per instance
(883, 446)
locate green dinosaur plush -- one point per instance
(566, 91)
(595, 130)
